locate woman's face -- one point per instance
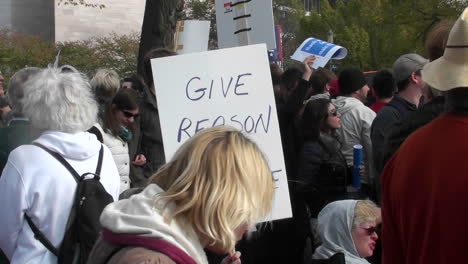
(365, 237)
(334, 118)
(126, 117)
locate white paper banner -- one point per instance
(322, 50)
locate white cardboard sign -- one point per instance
(258, 16)
(193, 36)
(222, 87)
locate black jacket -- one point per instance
(392, 113)
(148, 139)
(397, 133)
(322, 172)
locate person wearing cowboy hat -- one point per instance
(424, 202)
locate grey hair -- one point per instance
(59, 101)
(16, 87)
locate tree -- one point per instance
(288, 14)
(159, 24)
(203, 10)
(80, 2)
(376, 32)
(114, 52)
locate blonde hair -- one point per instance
(105, 84)
(366, 212)
(219, 180)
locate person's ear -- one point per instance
(416, 78)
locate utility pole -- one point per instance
(242, 24)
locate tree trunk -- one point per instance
(159, 24)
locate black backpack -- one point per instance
(83, 225)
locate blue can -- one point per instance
(357, 162)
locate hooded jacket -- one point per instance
(35, 183)
(356, 122)
(140, 215)
(335, 223)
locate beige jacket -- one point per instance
(106, 253)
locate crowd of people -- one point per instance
(69, 143)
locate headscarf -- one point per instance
(335, 223)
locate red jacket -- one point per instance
(425, 196)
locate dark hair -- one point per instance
(456, 101)
(320, 78)
(314, 119)
(402, 85)
(145, 66)
(384, 84)
(125, 99)
(437, 38)
(290, 77)
(136, 81)
(276, 73)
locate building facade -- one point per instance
(55, 21)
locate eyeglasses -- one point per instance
(334, 112)
(371, 230)
(128, 114)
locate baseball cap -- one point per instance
(406, 64)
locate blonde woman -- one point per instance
(214, 189)
(348, 227)
(105, 85)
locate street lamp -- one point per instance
(330, 36)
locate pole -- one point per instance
(242, 24)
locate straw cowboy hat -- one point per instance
(451, 70)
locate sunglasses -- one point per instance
(334, 112)
(371, 230)
(128, 114)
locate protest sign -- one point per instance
(251, 21)
(322, 50)
(192, 36)
(229, 87)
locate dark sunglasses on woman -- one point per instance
(371, 230)
(128, 114)
(334, 112)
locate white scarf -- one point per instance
(335, 223)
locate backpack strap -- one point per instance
(41, 237)
(94, 130)
(58, 157)
(68, 166)
(99, 164)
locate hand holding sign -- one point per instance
(308, 66)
